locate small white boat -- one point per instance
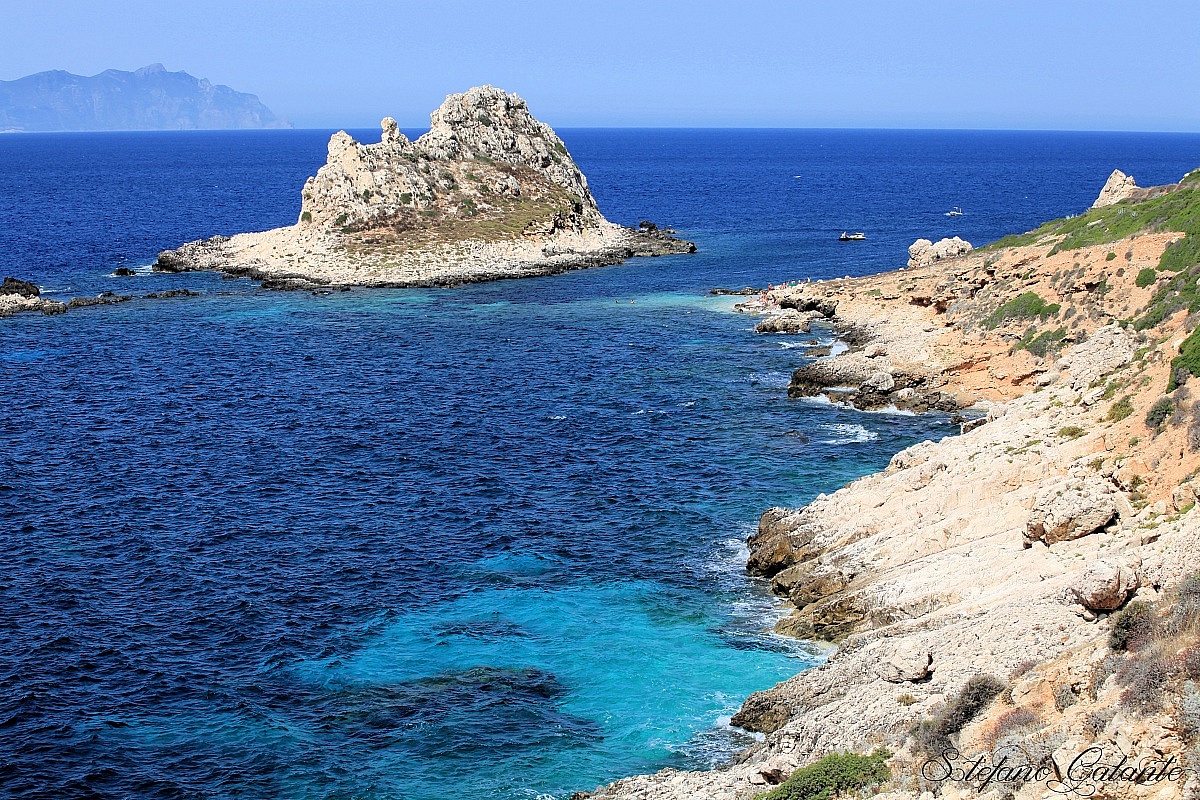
(954, 212)
(858, 236)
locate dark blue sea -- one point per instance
(483, 542)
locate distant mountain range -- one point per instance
(148, 99)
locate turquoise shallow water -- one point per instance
(409, 544)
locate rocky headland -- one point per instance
(489, 192)
(1024, 592)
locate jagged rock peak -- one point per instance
(483, 150)
(1118, 187)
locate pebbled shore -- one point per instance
(1004, 551)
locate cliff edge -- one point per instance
(488, 192)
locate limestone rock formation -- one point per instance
(484, 152)
(923, 252)
(1118, 187)
(488, 192)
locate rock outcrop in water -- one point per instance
(17, 296)
(488, 192)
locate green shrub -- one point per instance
(1023, 306)
(1013, 721)
(406, 198)
(1159, 413)
(1065, 696)
(933, 735)
(1071, 431)
(1145, 277)
(1183, 253)
(1178, 293)
(1146, 679)
(341, 220)
(1191, 663)
(305, 216)
(1120, 409)
(1111, 256)
(833, 775)
(1043, 343)
(484, 119)
(1132, 627)
(1188, 359)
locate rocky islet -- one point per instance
(488, 193)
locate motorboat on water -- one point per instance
(954, 212)
(857, 236)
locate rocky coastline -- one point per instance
(982, 589)
(18, 296)
(488, 193)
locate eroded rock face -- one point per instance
(1105, 585)
(923, 252)
(1118, 187)
(1071, 509)
(483, 151)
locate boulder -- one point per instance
(908, 662)
(823, 306)
(1105, 586)
(1072, 509)
(923, 252)
(879, 381)
(763, 712)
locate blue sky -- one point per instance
(1050, 64)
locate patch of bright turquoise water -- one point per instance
(405, 544)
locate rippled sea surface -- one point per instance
(482, 542)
